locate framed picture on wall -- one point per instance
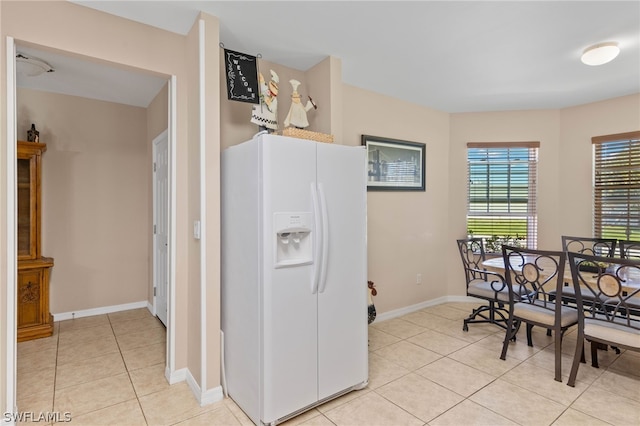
(394, 165)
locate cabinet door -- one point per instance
(27, 204)
(30, 294)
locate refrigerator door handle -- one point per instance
(315, 276)
(325, 238)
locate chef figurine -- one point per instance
(265, 114)
(297, 116)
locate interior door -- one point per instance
(342, 298)
(161, 224)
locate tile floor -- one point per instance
(424, 370)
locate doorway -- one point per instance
(12, 120)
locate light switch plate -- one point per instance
(196, 229)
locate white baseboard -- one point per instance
(100, 311)
(413, 308)
(176, 376)
(212, 395)
(464, 299)
(207, 397)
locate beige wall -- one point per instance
(406, 231)
(95, 220)
(211, 135)
(578, 125)
(193, 183)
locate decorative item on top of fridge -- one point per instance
(297, 116)
(265, 114)
(241, 72)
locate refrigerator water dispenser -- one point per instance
(292, 239)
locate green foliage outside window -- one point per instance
(493, 243)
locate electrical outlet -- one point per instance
(418, 278)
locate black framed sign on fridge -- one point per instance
(394, 165)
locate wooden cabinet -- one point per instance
(34, 318)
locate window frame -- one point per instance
(494, 242)
(607, 171)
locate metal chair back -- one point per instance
(611, 316)
(589, 245)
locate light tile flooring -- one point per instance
(423, 369)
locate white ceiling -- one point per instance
(454, 56)
(77, 76)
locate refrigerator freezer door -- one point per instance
(289, 340)
(241, 274)
(342, 299)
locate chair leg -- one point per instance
(509, 334)
(558, 355)
(495, 315)
(507, 338)
(594, 355)
(516, 327)
(576, 361)
(529, 338)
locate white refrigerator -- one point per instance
(294, 274)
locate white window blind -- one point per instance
(616, 189)
(501, 202)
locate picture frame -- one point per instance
(394, 165)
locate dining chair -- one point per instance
(605, 247)
(532, 276)
(629, 249)
(589, 245)
(611, 317)
(482, 284)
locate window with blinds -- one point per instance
(616, 186)
(501, 202)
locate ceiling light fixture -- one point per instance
(31, 67)
(600, 53)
